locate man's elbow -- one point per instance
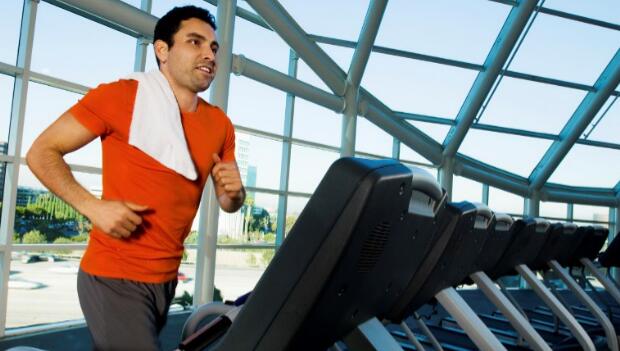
(32, 156)
(35, 155)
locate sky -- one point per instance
(74, 49)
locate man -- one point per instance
(128, 273)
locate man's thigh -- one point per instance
(124, 315)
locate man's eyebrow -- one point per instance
(196, 35)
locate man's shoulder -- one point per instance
(214, 111)
(120, 86)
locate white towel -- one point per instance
(156, 127)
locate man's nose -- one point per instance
(208, 54)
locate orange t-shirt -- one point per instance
(153, 252)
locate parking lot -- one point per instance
(45, 292)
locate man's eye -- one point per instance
(215, 49)
(194, 42)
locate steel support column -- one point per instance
(485, 194)
(289, 114)
(18, 112)
(142, 43)
(446, 175)
(531, 207)
(367, 36)
(210, 209)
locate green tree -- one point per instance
(192, 238)
(81, 238)
(34, 237)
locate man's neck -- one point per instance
(187, 100)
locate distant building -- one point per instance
(26, 195)
(231, 224)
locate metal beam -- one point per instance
(579, 196)
(114, 14)
(503, 130)
(261, 73)
(283, 24)
(579, 121)
(379, 114)
(487, 174)
(505, 42)
(367, 37)
(567, 15)
(454, 63)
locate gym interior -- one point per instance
(420, 175)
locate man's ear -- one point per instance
(161, 50)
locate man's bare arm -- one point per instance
(45, 159)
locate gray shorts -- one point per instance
(123, 314)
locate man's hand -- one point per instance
(116, 218)
(228, 186)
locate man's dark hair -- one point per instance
(169, 24)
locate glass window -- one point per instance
(295, 205)
(307, 75)
(604, 10)
(591, 213)
(89, 53)
(418, 86)
(134, 3)
(261, 45)
(512, 153)
(254, 105)
(436, 131)
(564, 49)
(464, 189)
(308, 166)
(60, 221)
(161, 7)
(187, 270)
(317, 124)
(6, 94)
(462, 30)
(552, 209)
(43, 287)
(607, 128)
(586, 165)
(342, 19)
(9, 27)
(408, 154)
(259, 160)
(254, 223)
(44, 105)
(238, 270)
(340, 54)
(532, 106)
(503, 201)
(372, 139)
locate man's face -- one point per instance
(191, 60)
